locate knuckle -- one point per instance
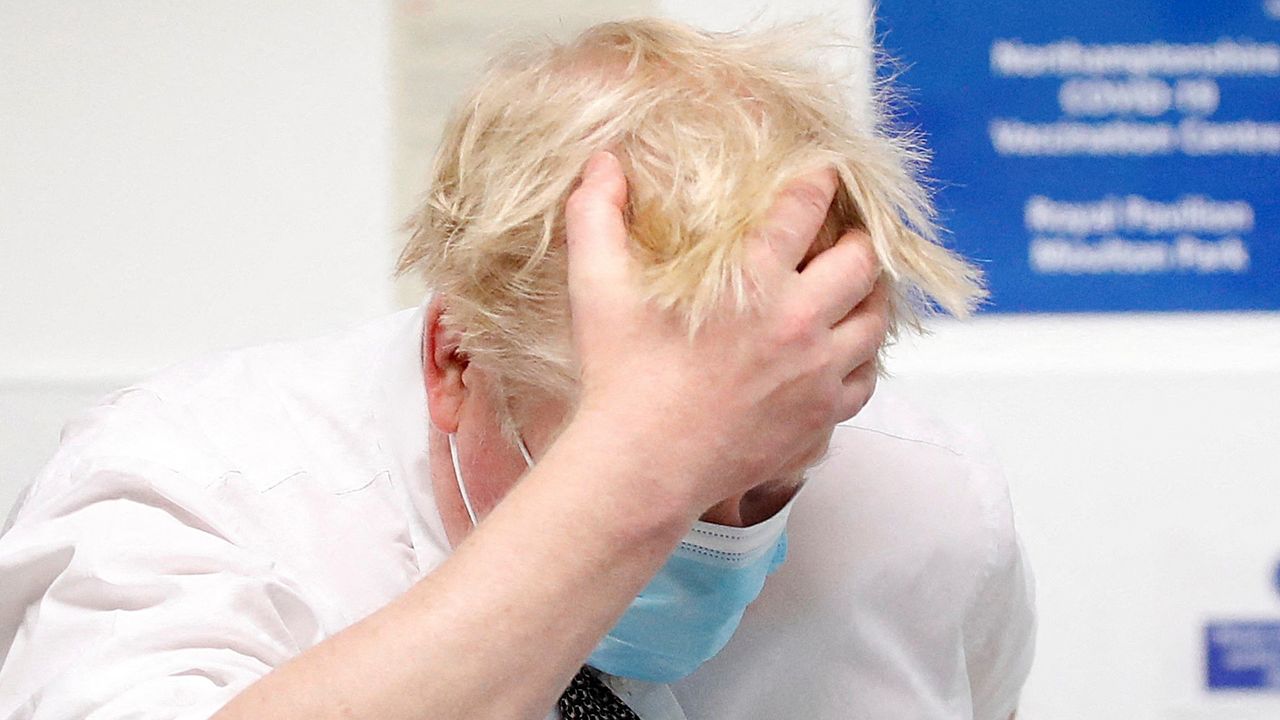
(873, 379)
(797, 326)
(784, 234)
(848, 409)
(864, 259)
(861, 389)
(883, 321)
(808, 198)
(870, 321)
(828, 357)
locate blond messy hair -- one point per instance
(708, 127)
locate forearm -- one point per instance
(500, 628)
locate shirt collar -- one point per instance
(400, 402)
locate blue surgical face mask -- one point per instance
(691, 608)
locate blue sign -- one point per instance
(1242, 655)
(1096, 155)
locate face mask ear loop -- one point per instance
(524, 450)
(457, 474)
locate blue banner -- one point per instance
(1096, 155)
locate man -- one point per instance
(560, 486)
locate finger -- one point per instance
(597, 233)
(840, 277)
(859, 386)
(861, 333)
(796, 215)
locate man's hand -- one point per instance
(752, 395)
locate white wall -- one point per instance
(1141, 453)
(177, 177)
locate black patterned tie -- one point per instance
(588, 698)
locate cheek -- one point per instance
(491, 469)
(491, 462)
(540, 419)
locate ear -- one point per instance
(443, 365)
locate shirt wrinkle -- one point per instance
(918, 441)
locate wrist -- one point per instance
(642, 493)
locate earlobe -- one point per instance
(443, 365)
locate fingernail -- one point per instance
(597, 162)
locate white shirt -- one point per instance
(198, 529)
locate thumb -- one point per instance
(597, 233)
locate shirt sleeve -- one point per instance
(125, 595)
(1000, 629)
